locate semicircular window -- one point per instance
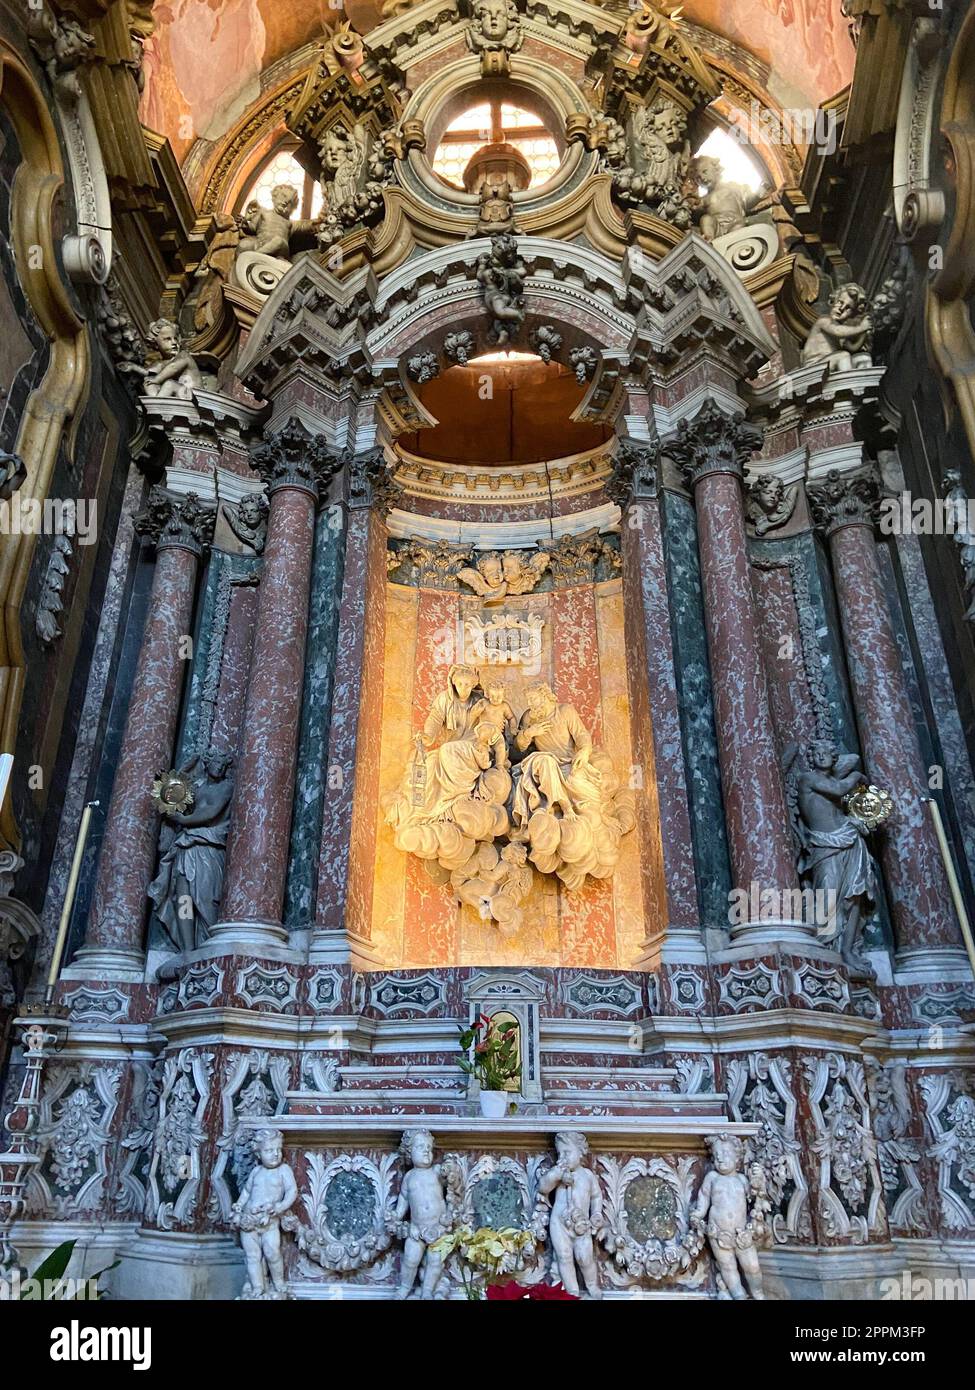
(492, 123)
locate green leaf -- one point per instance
(56, 1263)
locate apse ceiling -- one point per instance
(204, 62)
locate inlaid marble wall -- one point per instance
(416, 921)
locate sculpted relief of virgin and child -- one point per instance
(487, 791)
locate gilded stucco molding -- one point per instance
(951, 337)
(57, 401)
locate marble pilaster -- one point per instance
(653, 691)
(343, 906)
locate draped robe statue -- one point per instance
(456, 786)
(568, 804)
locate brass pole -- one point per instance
(954, 885)
(79, 849)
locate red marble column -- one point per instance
(845, 508)
(181, 527)
(292, 463)
(712, 450)
(663, 812)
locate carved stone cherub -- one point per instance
(248, 520)
(343, 156)
(495, 883)
(576, 1213)
(423, 1212)
(270, 1191)
(732, 1228)
(724, 205)
(501, 273)
(842, 337)
(494, 575)
(769, 503)
(63, 46)
(177, 376)
(268, 230)
(661, 133)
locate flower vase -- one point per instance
(494, 1104)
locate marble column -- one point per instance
(346, 861)
(181, 528)
(845, 508)
(711, 450)
(293, 464)
(667, 852)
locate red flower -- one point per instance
(511, 1291)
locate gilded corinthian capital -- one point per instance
(844, 499)
(170, 520)
(294, 458)
(712, 442)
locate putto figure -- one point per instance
(269, 230)
(422, 1212)
(724, 204)
(493, 576)
(734, 1227)
(842, 337)
(270, 1191)
(501, 273)
(177, 375)
(577, 1209)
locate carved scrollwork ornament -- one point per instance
(371, 483)
(634, 474)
